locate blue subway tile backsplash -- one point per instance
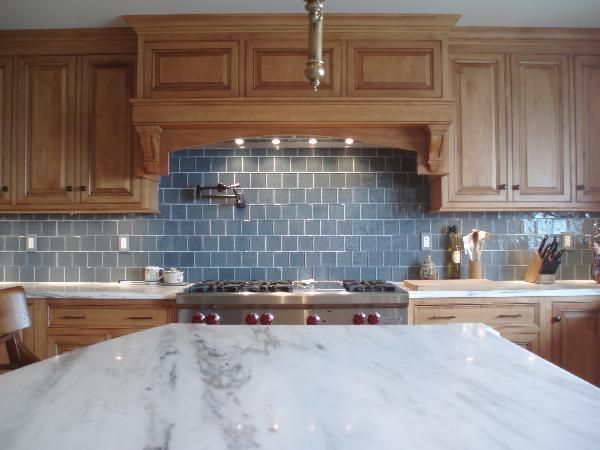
(311, 213)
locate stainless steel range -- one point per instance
(293, 303)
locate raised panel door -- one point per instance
(394, 68)
(46, 132)
(5, 129)
(478, 161)
(529, 341)
(576, 339)
(107, 166)
(587, 110)
(276, 68)
(540, 111)
(191, 69)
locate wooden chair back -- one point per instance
(14, 317)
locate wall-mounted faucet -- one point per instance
(239, 197)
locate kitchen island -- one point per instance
(180, 386)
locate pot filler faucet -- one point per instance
(239, 197)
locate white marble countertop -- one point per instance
(501, 289)
(98, 291)
(181, 387)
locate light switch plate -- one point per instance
(425, 241)
(567, 241)
(123, 243)
(31, 243)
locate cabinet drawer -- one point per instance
(489, 314)
(107, 317)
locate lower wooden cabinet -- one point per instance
(529, 341)
(69, 340)
(576, 338)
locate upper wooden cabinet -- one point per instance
(107, 163)
(478, 172)
(587, 114)
(46, 130)
(276, 68)
(541, 141)
(191, 69)
(5, 129)
(389, 68)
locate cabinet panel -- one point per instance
(575, 339)
(529, 341)
(73, 316)
(57, 345)
(5, 128)
(587, 91)
(191, 69)
(394, 68)
(46, 130)
(107, 172)
(277, 69)
(478, 163)
(541, 155)
(489, 314)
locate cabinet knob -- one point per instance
(581, 187)
(83, 188)
(556, 319)
(516, 187)
(502, 187)
(4, 188)
(69, 188)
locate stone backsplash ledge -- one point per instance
(311, 213)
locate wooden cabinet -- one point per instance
(540, 121)
(76, 339)
(5, 129)
(587, 119)
(46, 130)
(478, 167)
(576, 338)
(517, 322)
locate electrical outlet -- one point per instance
(123, 243)
(31, 243)
(567, 241)
(425, 241)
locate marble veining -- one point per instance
(98, 291)
(185, 386)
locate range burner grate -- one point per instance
(241, 286)
(368, 286)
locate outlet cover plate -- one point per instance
(567, 241)
(426, 241)
(123, 243)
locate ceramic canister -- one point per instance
(153, 274)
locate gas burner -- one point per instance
(241, 286)
(368, 286)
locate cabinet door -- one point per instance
(107, 172)
(46, 130)
(587, 91)
(540, 111)
(575, 339)
(5, 127)
(478, 163)
(57, 345)
(529, 341)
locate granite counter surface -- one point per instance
(98, 291)
(182, 387)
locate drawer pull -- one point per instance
(140, 318)
(509, 316)
(73, 317)
(441, 317)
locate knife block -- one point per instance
(533, 271)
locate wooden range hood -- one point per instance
(203, 79)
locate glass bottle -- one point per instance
(428, 270)
(454, 253)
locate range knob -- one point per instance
(252, 319)
(359, 319)
(266, 319)
(198, 318)
(373, 318)
(213, 319)
(313, 319)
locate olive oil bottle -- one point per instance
(454, 253)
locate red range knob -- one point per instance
(252, 319)
(359, 319)
(373, 318)
(313, 319)
(266, 319)
(213, 319)
(198, 318)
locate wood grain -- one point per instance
(6, 150)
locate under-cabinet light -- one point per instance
(312, 141)
(239, 141)
(275, 141)
(349, 141)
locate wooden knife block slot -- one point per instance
(533, 271)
